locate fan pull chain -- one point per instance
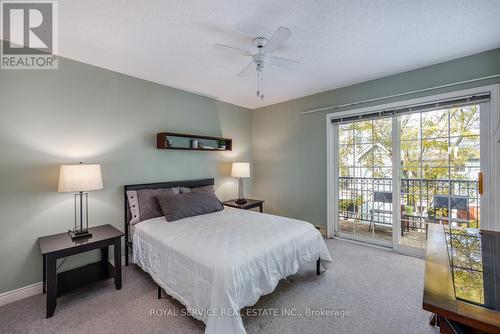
(258, 82)
(262, 85)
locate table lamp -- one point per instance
(80, 179)
(241, 170)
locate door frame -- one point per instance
(491, 168)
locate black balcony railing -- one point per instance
(431, 200)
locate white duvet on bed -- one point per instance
(218, 263)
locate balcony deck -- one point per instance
(413, 238)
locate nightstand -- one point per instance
(250, 204)
(60, 245)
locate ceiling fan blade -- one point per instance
(232, 49)
(251, 28)
(288, 64)
(277, 39)
(247, 70)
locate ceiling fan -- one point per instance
(262, 56)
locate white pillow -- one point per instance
(133, 204)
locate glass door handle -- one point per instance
(480, 183)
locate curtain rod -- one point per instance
(397, 95)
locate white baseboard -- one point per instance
(21, 293)
(29, 290)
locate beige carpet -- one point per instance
(365, 290)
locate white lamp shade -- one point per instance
(75, 178)
(240, 169)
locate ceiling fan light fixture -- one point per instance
(260, 58)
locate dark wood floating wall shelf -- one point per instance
(182, 141)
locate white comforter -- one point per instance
(218, 263)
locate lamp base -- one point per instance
(77, 234)
(241, 201)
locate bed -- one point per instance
(218, 263)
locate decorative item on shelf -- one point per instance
(241, 170)
(194, 143)
(169, 143)
(222, 145)
(80, 179)
(200, 145)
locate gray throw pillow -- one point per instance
(205, 189)
(148, 207)
(180, 206)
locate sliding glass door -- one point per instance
(439, 166)
(397, 173)
(365, 180)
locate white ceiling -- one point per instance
(337, 42)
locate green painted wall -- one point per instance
(289, 151)
(85, 113)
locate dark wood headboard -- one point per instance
(159, 185)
